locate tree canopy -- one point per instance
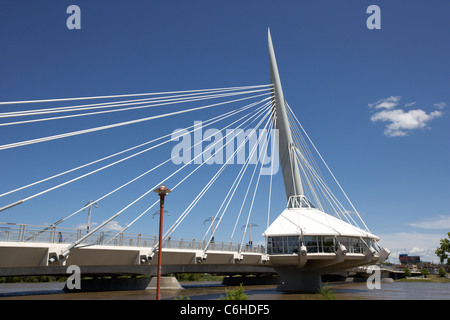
(444, 249)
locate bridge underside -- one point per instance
(27, 259)
(297, 272)
(147, 270)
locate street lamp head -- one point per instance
(162, 190)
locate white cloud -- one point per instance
(83, 226)
(412, 243)
(387, 103)
(416, 250)
(112, 226)
(440, 105)
(440, 222)
(400, 123)
(415, 243)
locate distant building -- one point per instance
(406, 259)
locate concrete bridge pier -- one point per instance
(122, 284)
(294, 280)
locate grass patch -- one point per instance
(427, 280)
(326, 293)
(235, 294)
(196, 277)
(32, 279)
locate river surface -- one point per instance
(423, 290)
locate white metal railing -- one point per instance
(13, 232)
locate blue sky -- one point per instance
(375, 102)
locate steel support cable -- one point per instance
(330, 197)
(306, 153)
(333, 199)
(257, 113)
(136, 200)
(274, 124)
(291, 161)
(156, 104)
(245, 197)
(168, 233)
(108, 194)
(231, 157)
(75, 243)
(119, 96)
(179, 220)
(232, 190)
(327, 221)
(304, 147)
(91, 106)
(185, 213)
(302, 143)
(124, 185)
(331, 172)
(131, 223)
(74, 133)
(199, 196)
(324, 213)
(211, 120)
(335, 204)
(316, 181)
(97, 170)
(311, 187)
(254, 195)
(118, 103)
(302, 154)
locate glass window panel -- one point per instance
(269, 245)
(277, 245)
(319, 244)
(356, 245)
(344, 241)
(328, 244)
(311, 244)
(293, 244)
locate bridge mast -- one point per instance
(289, 167)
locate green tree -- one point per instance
(425, 272)
(326, 293)
(444, 249)
(236, 294)
(407, 272)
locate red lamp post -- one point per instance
(162, 191)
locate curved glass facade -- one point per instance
(316, 244)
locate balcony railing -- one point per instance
(11, 232)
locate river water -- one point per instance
(423, 290)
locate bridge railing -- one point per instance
(12, 232)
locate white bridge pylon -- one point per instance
(304, 242)
(233, 150)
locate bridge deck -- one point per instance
(27, 250)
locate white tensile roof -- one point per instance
(308, 221)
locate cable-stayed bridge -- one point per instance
(222, 170)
